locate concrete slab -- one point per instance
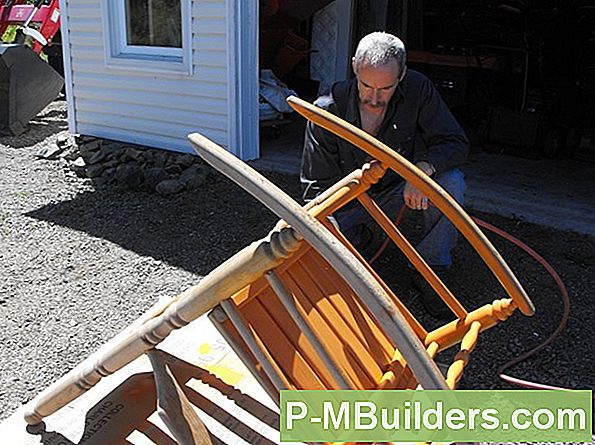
(557, 193)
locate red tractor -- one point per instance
(27, 83)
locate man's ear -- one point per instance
(353, 65)
(403, 73)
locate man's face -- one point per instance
(376, 85)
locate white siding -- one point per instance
(153, 109)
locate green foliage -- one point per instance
(3, 217)
(10, 33)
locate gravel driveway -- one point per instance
(77, 264)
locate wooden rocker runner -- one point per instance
(301, 307)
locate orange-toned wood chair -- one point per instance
(302, 326)
(301, 307)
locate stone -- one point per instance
(78, 162)
(94, 170)
(194, 177)
(91, 146)
(154, 176)
(130, 176)
(173, 169)
(185, 160)
(78, 166)
(169, 187)
(114, 145)
(133, 153)
(83, 139)
(71, 153)
(159, 158)
(172, 159)
(111, 163)
(51, 152)
(109, 175)
(88, 150)
(97, 156)
(132, 167)
(113, 152)
(63, 140)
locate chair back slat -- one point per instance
(337, 318)
(300, 317)
(412, 255)
(411, 320)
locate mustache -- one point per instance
(376, 105)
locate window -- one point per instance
(154, 23)
(149, 35)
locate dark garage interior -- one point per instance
(519, 75)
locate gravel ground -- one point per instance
(77, 264)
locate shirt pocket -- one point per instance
(400, 141)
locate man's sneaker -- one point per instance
(431, 301)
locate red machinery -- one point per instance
(44, 12)
(27, 83)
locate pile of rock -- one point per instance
(125, 166)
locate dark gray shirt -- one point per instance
(417, 124)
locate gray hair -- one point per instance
(379, 48)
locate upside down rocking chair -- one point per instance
(301, 307)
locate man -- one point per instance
(402, 109)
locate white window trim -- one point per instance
(243, 62)
(68, 83)
(121, 56)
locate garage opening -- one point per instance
(518, 74)
(305, 46)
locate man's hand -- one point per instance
(415, 199)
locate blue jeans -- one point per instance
(439, 235)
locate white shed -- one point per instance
(150, 72)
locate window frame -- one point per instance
(120, 55)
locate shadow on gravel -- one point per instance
(38, 130)
(194, 231)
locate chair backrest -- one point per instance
(301, 326)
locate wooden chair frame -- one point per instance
(304, 230)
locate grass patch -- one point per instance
(3, 217)
(22, 194)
